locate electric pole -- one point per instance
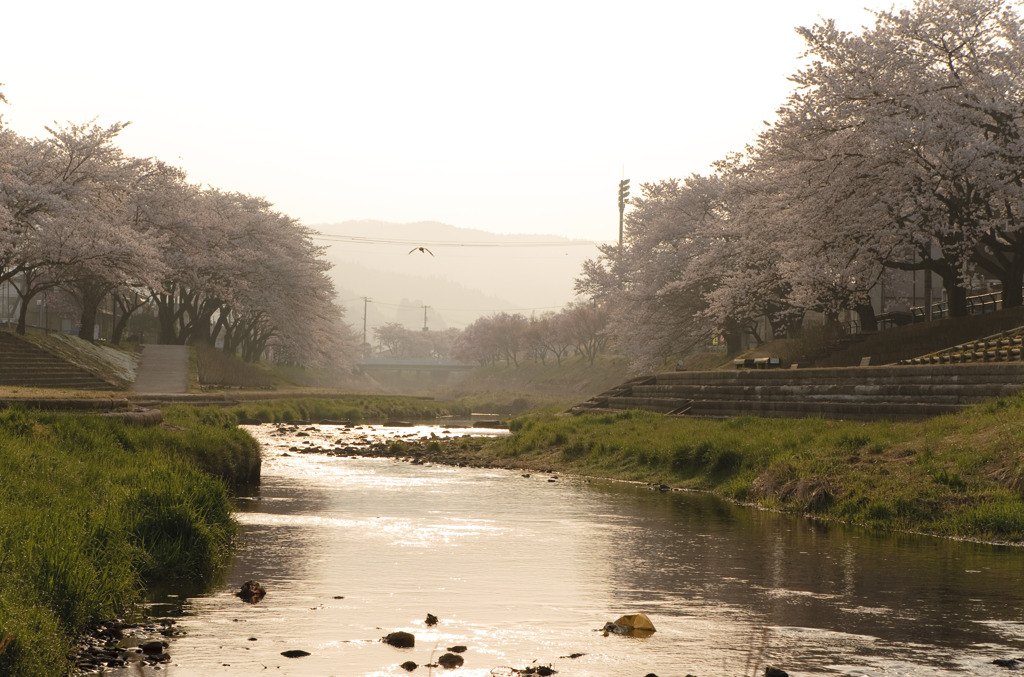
(366, 300)
(623, 194)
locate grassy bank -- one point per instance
(507, 388)
(960, 475)
(354, 409)
(92, 511)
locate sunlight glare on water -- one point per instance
(524, 571)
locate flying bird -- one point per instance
(421, 249)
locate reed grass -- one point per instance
(92, 511)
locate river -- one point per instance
(524, 569)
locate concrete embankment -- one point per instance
(864, 393)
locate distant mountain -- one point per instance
(461, 274)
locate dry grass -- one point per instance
(26, 393)
(107, 361)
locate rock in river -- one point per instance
(251, 592)
(403, 640)
(450, 661)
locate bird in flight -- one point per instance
(421, 249)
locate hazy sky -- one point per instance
(517, 117)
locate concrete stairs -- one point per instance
(24, 364)
(1005, 346)
(863, 393)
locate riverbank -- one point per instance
(349, 409)
(958, 476)
(93, 511)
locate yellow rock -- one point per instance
(636, 622)
(635, 625)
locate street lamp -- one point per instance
(623, 194)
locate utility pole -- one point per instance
(366, 300)
(623, 194)
(425, 317)
(927, 295)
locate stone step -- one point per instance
(875, 393)
(905, 392)
(981, 373)
(57, 380)
(837, 410)
(659, 404)
(24, 364)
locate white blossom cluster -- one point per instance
(901, 147)
(79, 215)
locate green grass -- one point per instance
(92, 511)
(217, 368)
(354, 409)
(511, 389)
(960, 475)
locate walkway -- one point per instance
(163, 370)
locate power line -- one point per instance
(357, 239)
(417, 307)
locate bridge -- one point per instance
(376, 367)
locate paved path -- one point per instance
(163, 370)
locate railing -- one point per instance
(979, 304)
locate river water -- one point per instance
(525, 570)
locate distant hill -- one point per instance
(463, 275)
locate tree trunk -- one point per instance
(22, 318)
(866, 315)
(165, 316)
(1003, 258)
(87, 322)
(1013, 294)
(956, 296)
(119, 327)
(92, 296)
(734, 342)
(127, 309)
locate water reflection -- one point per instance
(821, 594)
(520, 569)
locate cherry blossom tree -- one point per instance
(654, 286)
(101, 217)
(585, 325)
(477, 343)
(488, 340)
(400, 342)
(61, 200)
(903, 144)
(246, 276)
(78, 213)
(548, 335)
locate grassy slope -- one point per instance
(91, 510)
(960, 475)
(109, 362)
(505, 388)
